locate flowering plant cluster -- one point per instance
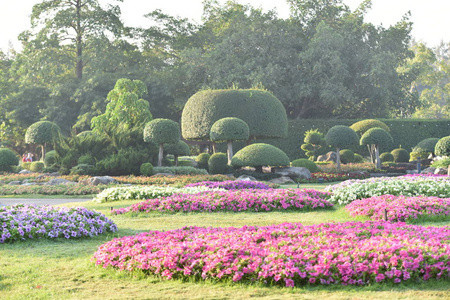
(350, 190)
(143, 192)
(426, 175)
(21, 222)
(351, 167)
(352, 253)
(234, 200)
(330, 177)
(399, 208)
(63, 189)
(231, 184)
(179, 180)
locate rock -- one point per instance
(330, 156)
(441, 171)
(246, 178)
(411, 172)
(429, 170)
(282, 180)
(293, 172)
(25, 171)
(42, 176)
(15, 182)
(58, 181)
(103, 180)
(29, 183)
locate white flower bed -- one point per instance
(144, 192)
(350, 190)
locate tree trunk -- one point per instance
(43, 152)
(230, 151)
(369, 147)
(377, 158)
(338, 159)
(175, 159)
(79, 42)
(160, 155)
(214, 147)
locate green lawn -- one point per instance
(62, 269)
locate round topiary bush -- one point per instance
(146, 169)
(261, 110)
(400, 155)
(386, 156)
(8, 159)
(306, 163)
(36, 166)
(362, 126)
(86, 160)
(202, 160)
(414, 156)
(178, 149)
(218, 163)
(82, 169)
(426, 145)
(161, 131)
(259, 155)
(340, 136)
(347, 156)
(442, 147)
(229, 129)
(42, 133)
(51, 158)
(358, 158)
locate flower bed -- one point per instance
(21, 222)
(143, 192)
(331, 177)
(351, 253)
(234, 200)
(400, 208)
(63, 189)
(180, 180)
(351, 167)
(350, 190)
(231, 185)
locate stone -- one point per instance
(429, 170)
(441, 171)
(25, 171)
(98, 180)
(293, 172)
(330, 156)
(282, 180)
(411, 172)
(246, 178)
(45, 175)
(15, 182)
(29, 183)
(58, 181)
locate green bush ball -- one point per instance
(161, 131)
(347, 156)
(306, 163)
(8, 159)
(386, 156)
(37, 166)
(50, 158)
(341, 136)
(202, 160)
(358, 158)
(258, 155)
(442, 147)
(218, 163)
(146, 169)
(426, 145)
(362, 126)
(400, 155)
(229, 129)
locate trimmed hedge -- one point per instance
(161, 131)
(7, 159)
(229, 129)
(386, 156)
(306, 163)
(218, 163)
(257, 155)
(442, 147)
(362, 126)
(42, 132)
(400, 155)
(202, 160)
(426, 145)
(347, 156)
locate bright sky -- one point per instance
(431, 18)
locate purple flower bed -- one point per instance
(231, 185)
(234, 200)
(399, 208)
(424, 175)
(21, 222)
(352, 253)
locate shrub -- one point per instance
(306, 163)
(413, 156)
(347, 156)
(51, 158)
(82, 169)
(229, 129)
(374, 138)
(426, 145)
(362, 126)
(262, 111)
(202, 160)
(180, 170)
(441, 163)
(146, 169)
(386, 156)
(161, 131)
(179, 148)
(218, 163)
(358, 158)
(70, 159)
(340, 136)
(36, 166)
(314, 141)
(8, 159)
(125, 162)
(42, 133)
(25, 165)
(442, 147)
(259, 155)
(86, 160)
(400, 155)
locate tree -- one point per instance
(43, 133)
(362, 126)
(426, 146)
(177, 149)
(229, 130)
(161, 131)
(340, 136)
(313, 142)
(259, 155)
(376, 137)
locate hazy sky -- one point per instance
(430, 17)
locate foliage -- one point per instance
(231, 185)
(180, 170)
(83, 169)
(262, 111)
(255, 200)
(414, 156)
(258, 155)
(179, 180)
(262, 176)
(332, 177)
(362, 126)
(400, 155)
(314, 141)
(51, 158)
(352, 167)
(86, 159)
(441, 163)
(218, 163)
(64, 189)
(340, 136)
(442, 147)
(386, 156)
(426, 145)
(376, 136)
(7, 159)
(347, 156)
(202, 160)
(229, 129)
(146, 169)
(37, 222)
(306, 163)
(358, 158)
(125, 162)
(180, 148)
(36, 166)
(42, 132)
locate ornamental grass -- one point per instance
(235, 201)
(21, 222)
(289, 254)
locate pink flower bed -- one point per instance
(352, 253)
(234, 200)
(399, 208)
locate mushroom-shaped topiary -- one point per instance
(42, 133)
(229, 130)
(376, 137)
(362, 126)
(161, 131)
(442, 147)
(259, 155)
(178, 149)
(340, 136)
(7, 159)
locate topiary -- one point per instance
(375, 137)
(178, 149)
(86, 160)
(42, 133)
(340, 136)
(362, 126)
(358, 158)
(442, 147)
(386, 156)
(202, 160)
(161, 131)
(37, 166)
(8, 159)
(146, 169)
(347, 156)
(259, 155)
(82, 169)
(400, 155)
(261, 110)
(51, 158)
(313, 142)
(25, 165)
(306, 163)
(70, 159)
(218, 163)
(414, 156)
(426, 146)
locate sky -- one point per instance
(430, 17)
